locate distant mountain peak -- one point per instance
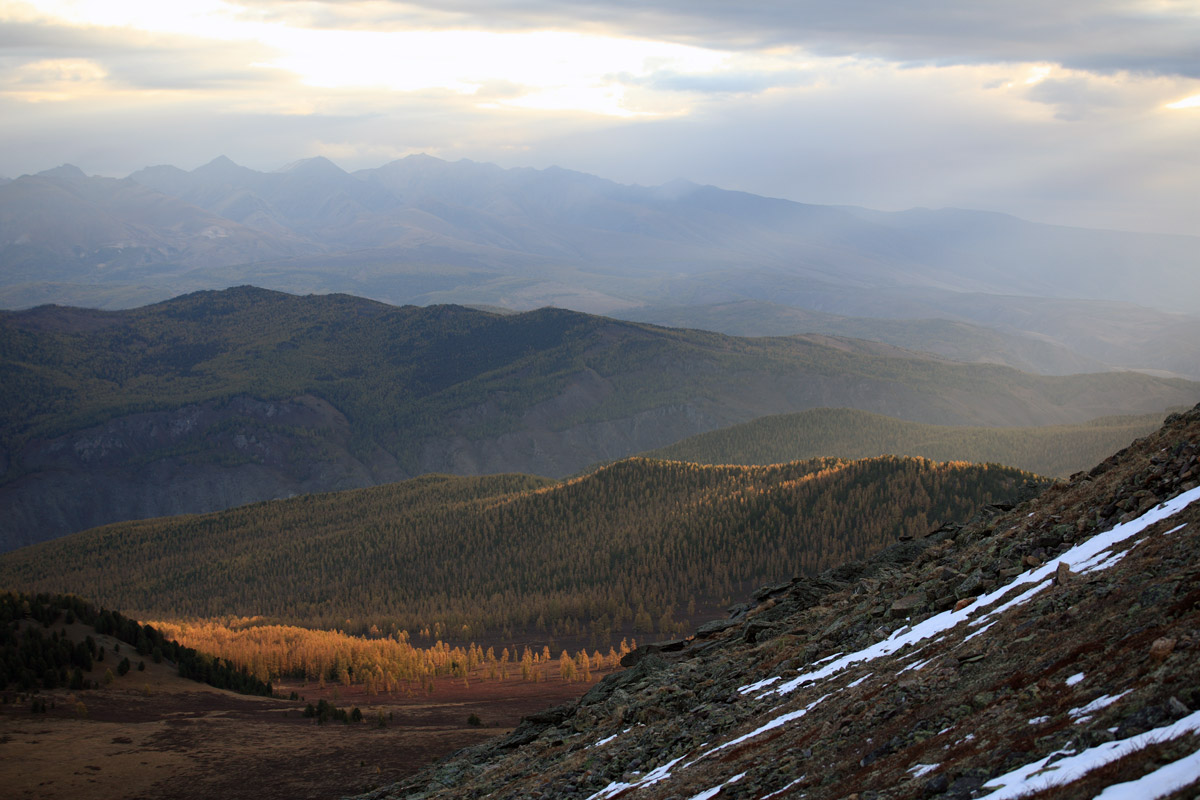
(317, 165)
(221, 167)
(68, 172)
(221, 162)
(679, 187)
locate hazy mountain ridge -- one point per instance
(953, 339)
(421, 230)
(62, 224)
(1057, 451)
(437, 389)
(1042, 651)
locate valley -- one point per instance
(157, 735)
(412, 528)
(412, 400)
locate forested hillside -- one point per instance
(1056, 450)
(32, 656)
(221, 398)
(1047, 651)
(641, 542)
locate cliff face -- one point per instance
(198, 458)
(1044, 650)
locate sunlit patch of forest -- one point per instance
(380, 664)
(632, 549)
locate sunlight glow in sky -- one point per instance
(1064, 113)
(556, 69)
(1187, 102)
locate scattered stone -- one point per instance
(1161, 648)
(907, 604)
(714, 627)
(971, 654)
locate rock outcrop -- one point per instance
(1051, 649)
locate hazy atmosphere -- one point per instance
(1077, 112)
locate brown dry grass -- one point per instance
(153, 735)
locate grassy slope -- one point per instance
(511, 552)
(1057, 450)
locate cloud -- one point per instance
(726, 82)
(1072, 111)
(1094, 35)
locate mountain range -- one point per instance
(220, 398)
(425, 231)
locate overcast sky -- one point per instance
(1081, 112)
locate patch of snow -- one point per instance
(716, 790)
(919, 664)
(1101, 562)
(1103, 701)
(1039, 577)
(649, 779)
(1041, 774)
(608, 739)
(1176, 528)
(778, 792)
(976, 633)
(918, 770)
(754, 687)
(782, 719)
(828, 658)
(860, 680)
(1039, 720)
(1074, 679)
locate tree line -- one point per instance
(640, 547)
(34, 654)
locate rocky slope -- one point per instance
(201, 457)
(1046, 650)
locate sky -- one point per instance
(1078, 112)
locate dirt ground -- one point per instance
(153, 735)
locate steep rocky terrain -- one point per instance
(202, 457)
(1045, 650)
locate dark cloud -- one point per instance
(1077, 97)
